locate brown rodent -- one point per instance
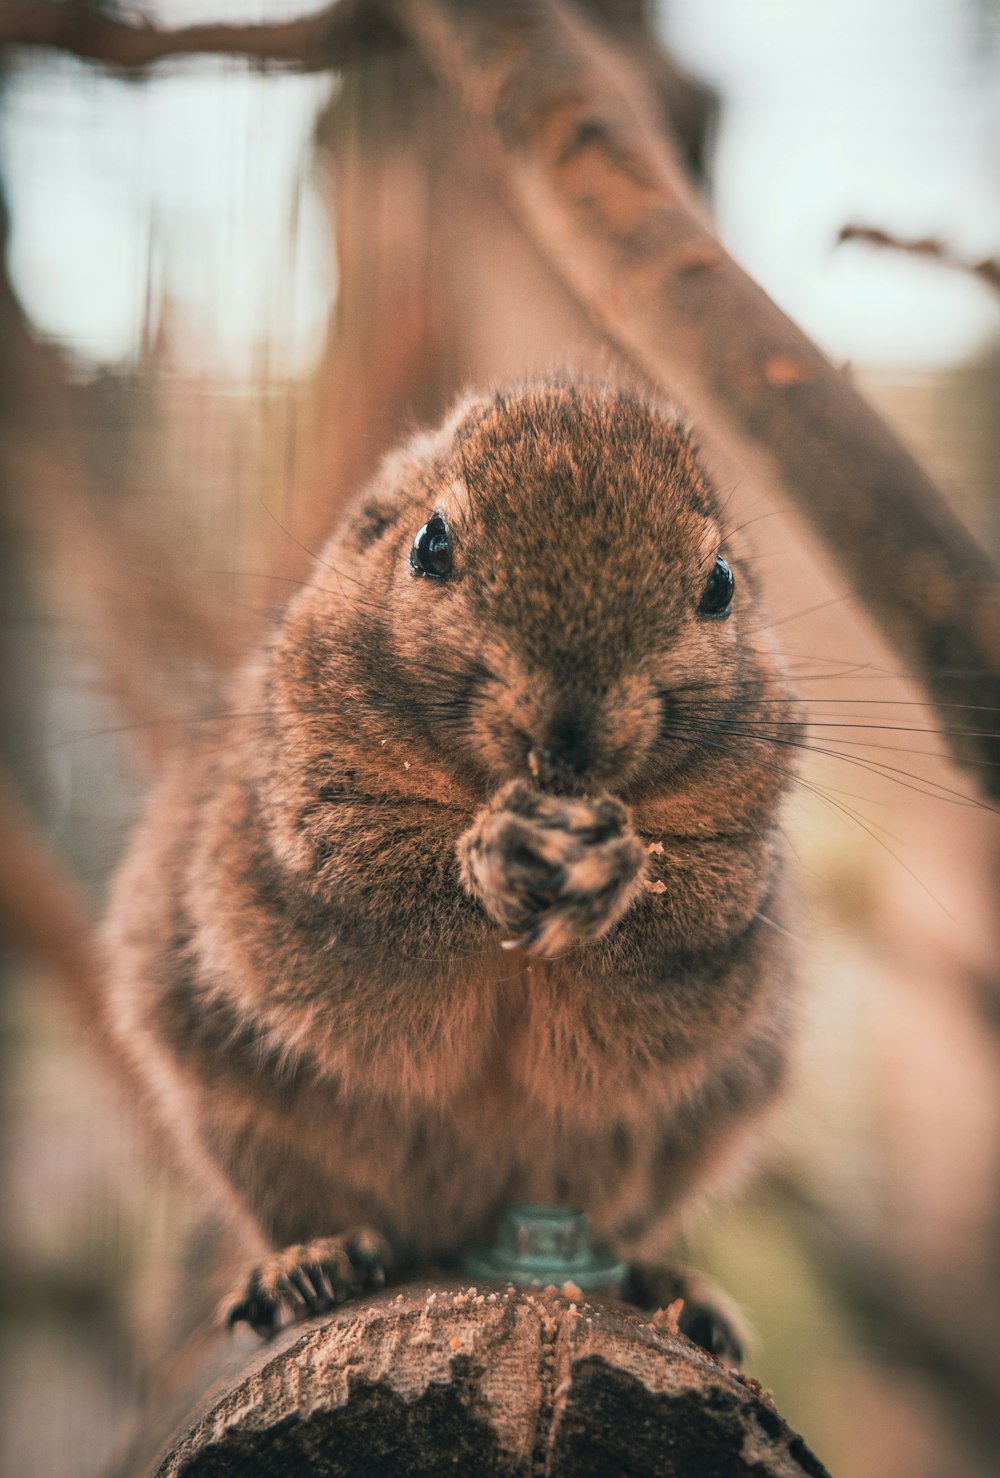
(479, 897)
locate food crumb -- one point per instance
(668, 1318)
(570, 1290)
(655, 849)
(655, 885)
(763, 1393)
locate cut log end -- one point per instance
(438, 1379)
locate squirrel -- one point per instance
(481, 896)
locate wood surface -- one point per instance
(486, 1381)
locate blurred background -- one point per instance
(239, 286)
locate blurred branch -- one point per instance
(964, 1374)
(43, 913)
(50, 494)
(924, 246)
(571, 130)
(689, 106)
(339, 36)
(335, 37)
(46, 486)
(40, 908)
(144, 615)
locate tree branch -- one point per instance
(571, 131)
(40, 908)
(987, 270)
(872, 1286)
(338, 36)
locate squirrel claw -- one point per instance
(306, 1279)
(706, 1316)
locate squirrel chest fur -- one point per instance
(473, 899)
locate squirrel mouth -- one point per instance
(552, 771)
(574, 742)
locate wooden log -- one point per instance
(486, 1381)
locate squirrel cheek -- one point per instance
(499, 729)
(635, 716)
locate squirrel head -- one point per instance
(541, 588)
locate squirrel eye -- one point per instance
(719, 591)
(431, 553)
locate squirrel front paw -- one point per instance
(307, 1279)
(552, 870)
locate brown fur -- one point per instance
(306, 940)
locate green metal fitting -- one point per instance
(537, 1246)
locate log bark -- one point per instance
(486, 1382)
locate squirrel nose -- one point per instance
(566, 751)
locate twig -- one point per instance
(924, 246)
(335, 37)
